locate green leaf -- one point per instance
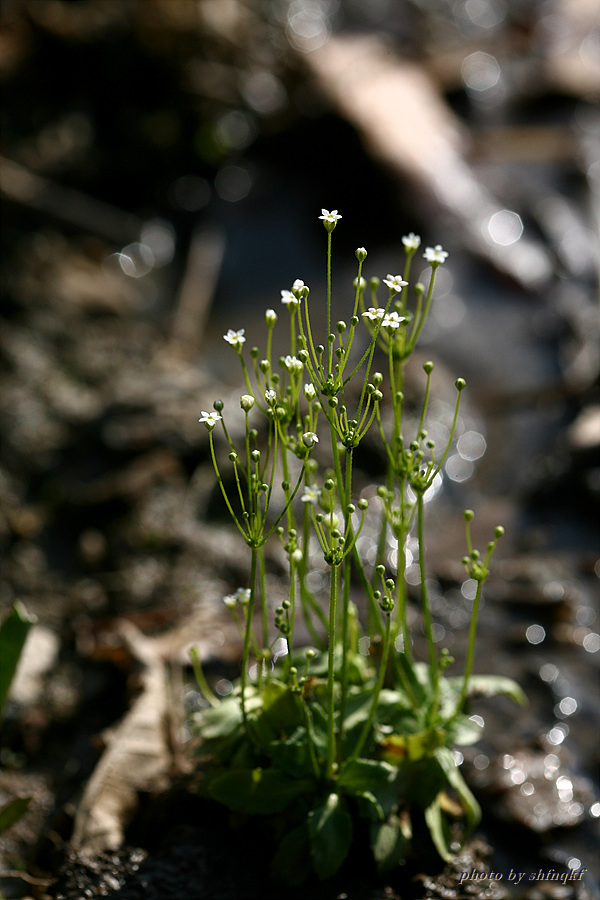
(455, 779)
(436, 825)
(256, 791)
(388, 845)
(330, 835)
(463, 731)
(369, 806)
(492, 685)
(289, 862)
(365, 775)
(216, 723)
(281, 712)
(411, 747)
(292, 755)
(13, 634)
(12, 811)
(357, 710)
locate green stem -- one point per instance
(201, 677)
(329, 345)
(471, 647)
(263, 597)
(331, 743)
(247, 634)
(433, 660)
(376, 692)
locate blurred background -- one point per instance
(163, 166)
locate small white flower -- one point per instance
(435, 254)
(393, 320)
(271, 397)
(293, 364)
(235, 338)
(330, 217)
(209, 419)
(311, 495)
(411, 241)
(374, 314)
(288, 299)
(241, 595)
(395, 283)
(299, 289)
(297, 555)
(309, 391)
(309, 438)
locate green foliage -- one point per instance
(354, 738)
(13, 634)
(12, 811)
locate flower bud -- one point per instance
(309, 439)
(218, 405)
(428, 367)
(246, 402)
(460, 384)
(361, 254)
(468, 515)
(270, 317)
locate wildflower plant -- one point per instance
(326, 734)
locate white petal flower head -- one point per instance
(230, 601)
(395, 283)
(288, 299)
(271, 397)
(411, 241)
(209, 419)
(435, 255)
(235, 338)
(309, 391)
(299, 289)
(242, 595)
(374, 314)
(293, 364)
(309, 439)
(330, 217)
(393, 320)
(311, 495)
